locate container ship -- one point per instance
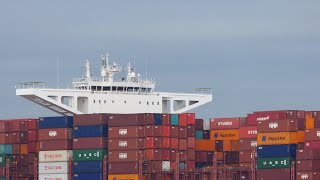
(125, 130)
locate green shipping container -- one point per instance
(3, 159)
(89, 154)
(274, 163)
(175, 119)
(5, 149)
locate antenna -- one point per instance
(57, 72)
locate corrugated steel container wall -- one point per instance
(54, 156)
(199, 134)
(153, 130)
(90, 119)
(301, 138)
(174, 119)
(123, 168)
(317, 124)
(166, 143)
(232, 134)
(277, 138)
(153, 119)
(53, 176)
(191, 118)
(183, 144)
(282, 125)
(277, 151)
(33, 147)
(174, 143)
(86, 176)
(247, 144)
(206, 125)
(32, 124)
(310, 123)
(199, 124)
(308, 154)
(5, 126)
(87, 167)
(90, 131)
(275, 115)
(22, 160)
(312, 135)
(53, 168)
(5, 138)
(19, 125)
(183, 119)
(246, 156)
(125, 156)
(191, 142)
(165, 154)
(224, 123)
(174, 131)
(123, 176)
(191, 154)
(204, 145)
(248, 132)
(274, 163)
(126, 144)
(173, 155)
(307, 175)
(55, 145)
(308, 165)
(90, 143)
(231, 157)
(55, 122)
(19, 137)
(190, 131)
(268, 174)
(219, 145)
(166, 119)
(165, 131)
(33, 135)
(126, 132)
(183, 132)
(55, 134)
(153, 142)
(118, 120)
(89, 155)
(5, 148)
(312, 145)
(206, 134)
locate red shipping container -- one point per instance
(312, 145)
(191, 118)
(317, 124)
(246, 156)
(173, 155)
(248, 132)
(55, 145)
(183, 132)
(166, 142)
(174, 143)
(90, 143)
(32, 147)
(165, 131)
(224, 123)
(191, 165)
(199, 124)
(19, 137)
(190, 131)
(126, 132)
(307, 175)
(2, 171)
(243, 122)
(90, 119)
(126, 144)
(125, 156)
(166, 119)
(247, 144)
(282, 125)
(5, 126)
(32, 135)
(123, 168)
(55, 134)
(312, 135)
(165, 154)
(31, 158)
(5, 138)
(32, 124)
(153, 142)
(305, 154)
(308, 165)
(15, 148)
(183, 119)
(118, 120)
(183, 155)
(153, 131)
(191, 142)
(174, 131)
(276, 174)
(203, 156)
(183, 144)
(19, 125)
(153, 154)
(191, 154)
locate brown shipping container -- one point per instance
(183, 132)
(153, 142)
(153, 154)
(153, 131)
(248, 132)
(90, 119)
(282, 125)
(126, 132)
(165, 154)
(125, 156)
(220, 156)
(317, 124)
(173, 155)
(191, 142)
(165, 131)
(2, 171)
(5, 126)
(224, 123)
(166, 142)
(246, 156)
(55, 145)
(174, 143)
(308, 165)
(33, 147)
(275, 174)
(19, 137)
(191, 154)
(183, 144)
(123, 168)
(15, 148)
(307, 175)
(199, 124)
(247, 144)
(55, 134)
(126, 144)
(118, 120)
(33, 135)
(308, 154)
(32, 124)
(190, 131)
(22, 160)
(19, 125)
(5, 138)
(174, 131)
(166, 119)
(90, 143)
(312, 134)
(231, 157)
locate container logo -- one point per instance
(123, 155)
(224, 123)
(263, 118)
(252, 132)
(216, 135)
(273, 125)
(304, 176)
(264, 138)
(53, 133)
(123, 143)
(254, 144)
(123, 132)
(318, 133)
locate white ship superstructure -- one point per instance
(131, 94)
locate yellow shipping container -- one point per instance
(123, 177)
(277, 138)
(232, 134)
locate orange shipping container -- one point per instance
(205, 145)
(309, 123)
(232, 134)
(277, 138)
(124, 177)
(220, 156)
(300, 136)
(24, 149)
(231, 145)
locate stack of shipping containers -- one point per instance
(248, 144)
(5, 146)
(90, 133)
(55, 145)
(33, 146)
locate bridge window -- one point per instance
(114, 88)
(94, 101)
(139, 102)
(106, 88)
(152, 103)
(158, 103)
(112, 101)
(120, 88)
(99, 101)
(105, 101)
(125, 102)
(148, 103)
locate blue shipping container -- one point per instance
(269, 151)
(157, 119)
(56, 122)
(174, 119)
(86, 176)
(90, 131)
(5, 149)
(87, 167)
(202, 164)
(199, 134)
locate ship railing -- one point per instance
(203, 91)
(30, 85)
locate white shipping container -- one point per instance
(53, 176)
(165, 165)
(53, 168)
(55, 156)
(206, 125)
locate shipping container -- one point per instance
(206, 125)
(206, 134)
(5, 148)
(22, 160)
(53, 176)
(166, 142)
(153, 119)
(269, 151)
(308, 175)
(127, 144)
(52, 145)
(191, 142)
(165, 131)
(55, 156)
(277, 138)
(183, 120)
(123, 168)
(89, 154)
(310, 123)
(231, 157)
(305, 154)
(183, 132)
(90, 131)
(86, 176)
(246, 156)
(282, 125)
(126, 132)
(224, 123)
(199, 124)
(312, 135)
(19, 125)
(90, 143)
(123, 177)
(153, 142)
(55, 134)
(55, 122)
(174, 143)
(174, 132)
(274, 163)
(190, 131)
(88, 167)
(248, 132)
(153, 154)
(276, 174)
(312, 145)
(308, 165)
(174, 119)
(33, 135)
(199, 134)
(5, 138)
(118, 120)
(232, 134)
(5, 126)
(166, 119)
(32, 124)
(125, 156)
(19, 137)
(247, 144)
(33, 147)
(90, 119)
(183, 145)
(53, 168)
(3, 159)
(153, 131)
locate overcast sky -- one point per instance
(255, 55)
